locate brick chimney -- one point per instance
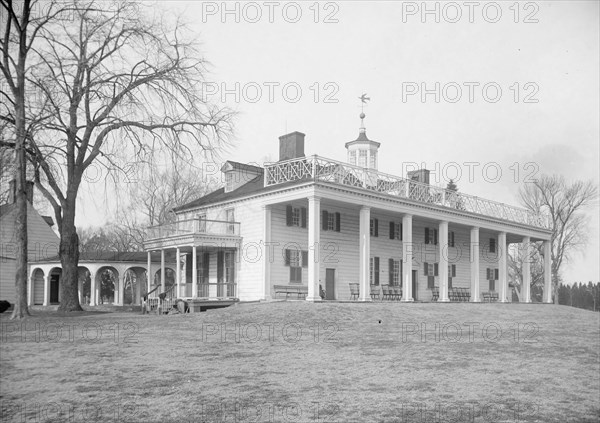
(421, 175)
(12, 191)
(291, 146)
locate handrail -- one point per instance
(327, 170)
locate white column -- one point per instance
(526, 270)
(178, 272)
(149, 272)
(80, 288)
(314, 238)
(194, 272)
(162, 270)
(407, 255)
(443, 263)
(93, 296)
(502, 267)
(474, 254)
(364, 253)
(121, 294)
(30, 289)
(267, 257)
(47, 289)
(547, 273)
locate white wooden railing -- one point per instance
(321, 169)
(193, 226)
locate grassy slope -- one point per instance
(179, 369)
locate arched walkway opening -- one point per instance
(107, 285)
(85, 285)
(134, 285)
(54, 285)
(37, 287)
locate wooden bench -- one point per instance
(299, 290)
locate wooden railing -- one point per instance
(192, 226)
(223, 290)
(321, 169)
(164, 300)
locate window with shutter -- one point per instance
(426, 269)
(435, 237)
(435, 269)
(337, 221)
(492, 245)
(492, 285)
(391, 271)
(304, 258)
(376, 271)
(426, 235)
(324, 220)
(288, 215)
(303, 217)
(451, 239)
(374, 227)
(392, 232)
(430, 282)
(496, 274)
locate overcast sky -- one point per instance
(538, 113)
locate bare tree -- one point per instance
(20, 24)
(117, 85)
(564, 202)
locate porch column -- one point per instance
(93, 295)
(121, 299)
(474, 253)
(267, 214)
(547, 273)
(149, 272)
(162, 270)
(407, 255)
(314, 238)
(177, 272)
(443, 266)
(194, 272)
(30, 285)
(502, 268)
(364, 253)
(80, 288)
(47, 289)
(526, 270)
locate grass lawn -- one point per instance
(299, 362)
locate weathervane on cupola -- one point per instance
(362, 151)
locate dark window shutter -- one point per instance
(287, 257)
(435, 269)
(400, 275)
(454, 270)
(449, 283)
(492, 285)
(376, 270)
(492, 245)
(452, 239)
(376, 227)
(288, 215)
(391, 270)
(425, 268)
(401, 231)
(337, 221)
(435, 237)
(325, 220)
(304, 258)
(426, 235)
(220, 261)
(496, 274)
(391, 230)
(430, 282)
(487, 274)
(303, 217)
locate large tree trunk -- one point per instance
(69, 258)
(20, 310)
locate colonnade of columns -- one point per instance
(314, 229)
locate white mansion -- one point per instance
(302, 223)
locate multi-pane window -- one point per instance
(228, 181)
(395, 230)
(431, 236)
(295, 266)
(331, 222)
(451, 274)
(431, 271)
(202, 223)
(295, 216)
(396, 273)
(362, 158)
(374, 227)
(492, 276)
(492, 245)
(373, 160)
(230, 218)
(352, 157)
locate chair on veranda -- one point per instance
(386, 292)
(354, 292)
(375, 291)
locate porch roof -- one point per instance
(106, 256)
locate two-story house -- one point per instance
(310, 221)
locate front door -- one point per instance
(54, 289)
(415, 277)
(330, 284)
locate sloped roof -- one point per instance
(243, 167)
(108, 256)
(254, 185)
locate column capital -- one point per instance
(365, 208)
(443, 222)
(314, 198)
(475, 228)
(407, 216)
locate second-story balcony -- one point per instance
(191, 232)
(317, 168)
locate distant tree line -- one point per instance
(580, 295)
